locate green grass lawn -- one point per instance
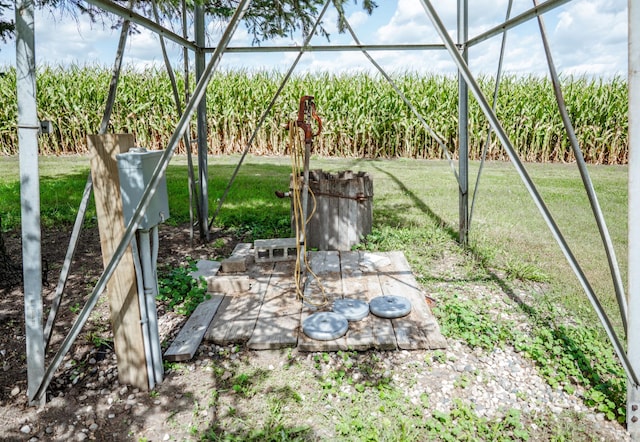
(416, 211)
(412, 198)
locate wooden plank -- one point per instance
(278, 320)
(333, 212)
(353, 220)
(341, 189)
(314, 227)
(122, 287)
(360, 334)
(236, 318)
(184, 346)
(384, 337)
(419, 329)
(326, 265)
(365, 207)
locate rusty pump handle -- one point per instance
(306, 111)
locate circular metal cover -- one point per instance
(325, 326)
(352, 309)
(390, 306)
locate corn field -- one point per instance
(363, 116)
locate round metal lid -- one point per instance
(352, 309)
(325, 326)
(390, 306)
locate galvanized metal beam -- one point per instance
(633, 336)
(614, 269)
(532, 13)
(266, 112)
(526, 179)
(28, 127)
(330, 48)
(84, 202)
(141, 20)
(463, 128)
(406, 101)
(203, 145)
(487, 143)
(148, 193)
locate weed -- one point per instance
(524, 271)
(470, 322)
(75, 308)
(171, 366)
(99, 341)
(180, 290)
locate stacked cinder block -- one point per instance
(274, 250)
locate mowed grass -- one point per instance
(416, 211)
(412, 198)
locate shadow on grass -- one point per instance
(573, 354)
(394, 214)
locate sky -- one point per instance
(587, 37)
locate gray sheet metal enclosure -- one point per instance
(40, 376)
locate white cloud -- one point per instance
(586, 36)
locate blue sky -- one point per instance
(586, 36)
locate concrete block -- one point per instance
(229, 285)
(274, 250)
(234, 264)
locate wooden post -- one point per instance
(122, 287)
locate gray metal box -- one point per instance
(135, 170)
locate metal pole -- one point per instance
(496, 89)
(526, 179)
(149, 191)
(633, 335)
(586, 180)
(406, 101)
(28, 126)
(150, 292)
(203, 172)
(82, 209)
(463, 127)
(144, 321)
(301, 50)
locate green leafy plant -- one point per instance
(75, 308)
(180, 290)
(471, 322)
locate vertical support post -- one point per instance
(123, 287)
(633, 320)
(463, 126)
(28, 126)
(203, 167)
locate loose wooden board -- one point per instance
(236, 318)
(184, 346)
(279, 317)
(419, 329)
(326, 266)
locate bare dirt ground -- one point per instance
(222, 393)
(90, 368)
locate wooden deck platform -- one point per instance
(269, 316)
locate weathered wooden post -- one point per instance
(122, 288)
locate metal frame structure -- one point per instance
(39, 377)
